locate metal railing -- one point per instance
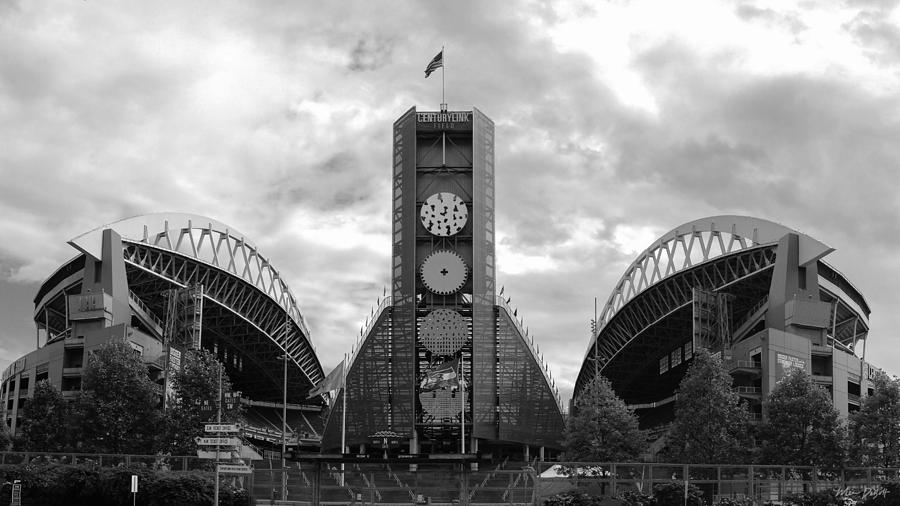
(134, 299)
(761, 484)
(544, 367)
(165, 462)
(742, 364)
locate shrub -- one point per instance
(573, 499)
(635, 498)
(672, 494)
(89, 485)
(734, 501)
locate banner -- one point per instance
(442, 376)
(331, 382)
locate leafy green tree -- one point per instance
(118, 410)
(196, 388)
(875, 428)
(711, 424)
(46, 420)
(6, 439)
(802, 426)
(602, 428)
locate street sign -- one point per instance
(16, 494)
(221, 427)
(218, 441)
(134, 483)
(233, 469)
(211, 454)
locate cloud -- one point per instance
(615, 122)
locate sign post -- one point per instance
(16, 493)
(134, 481)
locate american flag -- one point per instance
(436, 63)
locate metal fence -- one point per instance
(332, 483)
(377, 483)
(760, 484)
(518, 484)
(161, 462)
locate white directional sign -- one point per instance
(212, 454)
(218, 441)
(233, 469)
(222, 427)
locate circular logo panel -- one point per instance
(442, 403)
(444, 272)
(443, 332)
(444, 214)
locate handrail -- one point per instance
(538, 359)
(749, 314)
(386, 302)
(153, 318)
(749, 364)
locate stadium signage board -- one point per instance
(233, 469)
(444, 120)
(221, 427)
(217, 441)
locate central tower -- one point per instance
(443, 365)
(443, 272)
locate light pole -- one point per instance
(284, 430)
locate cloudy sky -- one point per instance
(616, 122)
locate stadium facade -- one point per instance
(444, 366)
(755, 292)
(165, 283)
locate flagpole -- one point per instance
(344, 415)
(443, 66)
(344, 408)
(462, 397)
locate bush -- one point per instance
(573, 499)
(635, 498)
(672, 494)
(734, 501)
(89, 485)
(887, 495)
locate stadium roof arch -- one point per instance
(251, 309)
(715, 253)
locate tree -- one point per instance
(6, 439)
(196, 388)
(875, 428)
(118, 408)
(711, 424)
(802, 426)
(602, 428)
(46, 420)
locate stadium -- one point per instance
(172, 282)
(444, 365)
(755, 292)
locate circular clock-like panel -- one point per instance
(443, 332)
(444, 214)
(442, 403)
(444, 272)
